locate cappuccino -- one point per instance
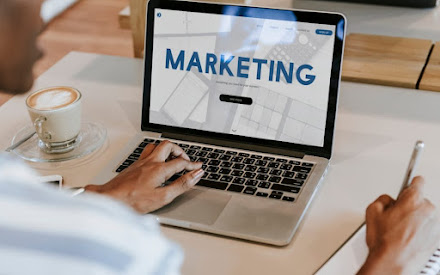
(53, 98)
(56, 115)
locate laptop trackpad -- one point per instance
(196, 206)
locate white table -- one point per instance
(376, 128)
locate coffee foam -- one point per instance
(52, 99)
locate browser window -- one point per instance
(241, 75)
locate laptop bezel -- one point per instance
(335, 19)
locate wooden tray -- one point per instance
(384, 60)
(431, 77)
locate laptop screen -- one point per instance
(253, 77)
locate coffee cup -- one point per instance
(56, 115)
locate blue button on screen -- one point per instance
(324, 32)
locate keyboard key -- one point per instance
(294, 162)
(301, 176)
(239, 180)
(220, 151)
(121, 168)
(263, 170)
(224, 157)
(192, 158)
(237, 173)
(205, 175)
(262, 177)
(301, 169)
(204, 160)
(183, 145)
(214, 176)
(285, 166)
(250, 168)
(262, 194)
(214, 162)
(289, 174)
(207, 149)
(269, 158)
(252, 182)
(190, 152)
(285, 188)
(292, 182)
(238, 166)
(232, 153)
(282, 160)
(249, 161)
(307, 164)
(134, 156)
(264, 185)
(256, 157)
(275, 179)
(236, 188)
(288, 198)
(147, 140)
(226, 164)
(195, 147)
(138, 150)
(143, 144)
(213, 155)
(237, 159)
(246, 155)
(273, 165)
(261, 162)
(225, 171)
(212, 184)
(275, 172)
(201, 154)
(128, 162)
(226, 178)
(276, 195)
(250, 190)
(249, 175)
(212, 169)
(157, 142)
(204, 166)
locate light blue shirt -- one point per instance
(46, 231)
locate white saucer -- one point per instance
(90, 138)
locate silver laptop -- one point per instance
(250, 92)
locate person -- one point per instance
(45, 231)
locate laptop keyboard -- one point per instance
(248, 173)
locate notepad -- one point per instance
(349, 258)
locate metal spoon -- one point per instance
(20, 142)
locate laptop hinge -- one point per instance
(234, 144)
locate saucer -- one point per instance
(90, 138)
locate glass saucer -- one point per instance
(90, 138)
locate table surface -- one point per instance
(375, 131)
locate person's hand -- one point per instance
(141, 184)
(402, 234)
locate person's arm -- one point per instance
(402, 234)
(140, 185)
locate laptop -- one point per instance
(250, 92)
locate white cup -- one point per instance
(56, 115)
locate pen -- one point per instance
(418, 148)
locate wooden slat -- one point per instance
(431, 77)
(384, 60)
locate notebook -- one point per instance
(349, 258)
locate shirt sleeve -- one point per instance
(46, 231)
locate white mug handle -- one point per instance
(38, 124)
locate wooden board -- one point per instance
(384, 60)
(431, 77)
